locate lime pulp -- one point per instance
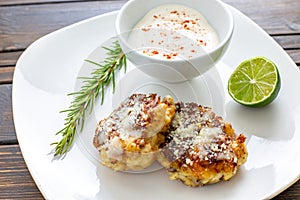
(255, 82)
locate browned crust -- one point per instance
(150, 112)
(184, 159)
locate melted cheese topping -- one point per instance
(197, 135)
(134, 124)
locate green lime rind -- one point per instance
(255, 82)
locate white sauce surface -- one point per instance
(173, 31)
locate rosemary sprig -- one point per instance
(92, 86)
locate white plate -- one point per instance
(47, 71)
(206, 90)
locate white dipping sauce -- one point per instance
(173, 31)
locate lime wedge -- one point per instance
(255, 82)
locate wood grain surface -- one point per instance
(24, 21)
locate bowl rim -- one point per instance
(217, 48)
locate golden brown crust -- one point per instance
(128, 139)
(202, 148)
(196, 146)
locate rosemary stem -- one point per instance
(85, 97)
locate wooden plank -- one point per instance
(275, 16)
(295, 55)
(21, 25)
(292, 193)
(24, 2)
(288, 41)
(6, 74)
(7, 130)
(15, 179)
(9, 58)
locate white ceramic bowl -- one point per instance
(215, 12)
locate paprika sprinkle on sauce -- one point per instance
(173, 30)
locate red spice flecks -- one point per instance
(201, 42)
(193, 51)
(169, 56)
(181, 48)
(145, 29)
(154, 16)
(174, 12)
(186, 21)
(185, 26)
(176, 37)
(150, 53)
(151, 41)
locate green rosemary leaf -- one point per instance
(102, 91)
(101, 77)
(113, 81)
(95, 63)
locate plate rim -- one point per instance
(24, 54)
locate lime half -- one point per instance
(255, 82)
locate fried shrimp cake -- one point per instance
(128, 139)
(201, 147)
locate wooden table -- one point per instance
(24, 21)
